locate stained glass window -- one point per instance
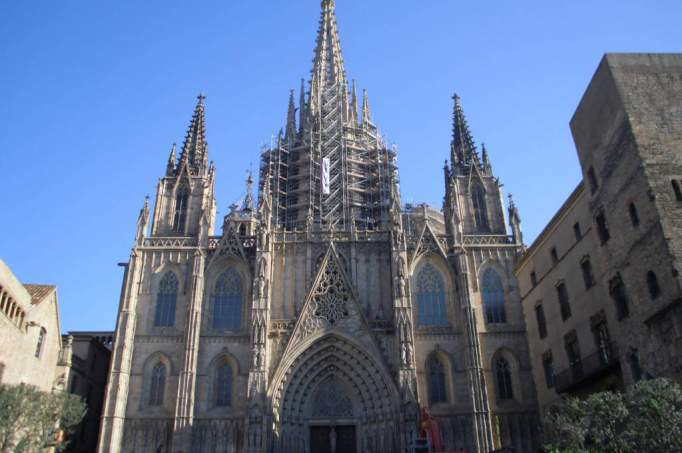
(430, 290)
(436, 370)
(165, 301)
(503, 379)
(223, 385)
(493, 297)
(157, 385)
(227, 301)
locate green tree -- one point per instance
(647, 417)
(31, 420)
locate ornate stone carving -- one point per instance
(331, 401)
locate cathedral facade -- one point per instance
(324, 315)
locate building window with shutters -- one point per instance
(619, 296)
(586, 268)
(564, 304)
(548, 367)
(540, 317)
(573, 354)
(41, 342)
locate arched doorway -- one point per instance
(332, 421)
(335, 397)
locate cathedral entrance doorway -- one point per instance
(333, 439)
(334, 397)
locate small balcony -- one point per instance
(589, 368)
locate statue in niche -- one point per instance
(260, 287)
(332, 440)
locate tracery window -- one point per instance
(228, 301)
(180, 217)
(436, 380)
(430, 289)
(493, 297)
(480, 207)
(157, 385)
(166, 300)
(223, 385)
(503, 379)
(331, 401)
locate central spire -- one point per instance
(328, 67)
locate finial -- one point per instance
(366, 111)
(201, 98)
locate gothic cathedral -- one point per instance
(327, 314)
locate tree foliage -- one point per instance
(31, 420)
(646, 417)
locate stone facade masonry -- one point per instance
(628, 134)
(25, 312)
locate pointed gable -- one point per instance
(331, 306)
(428, 243)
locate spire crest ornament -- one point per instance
(291, 119)
(195, 147)
(366, 111)
(463, 146)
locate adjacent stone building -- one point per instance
(30, 340)
(325, 314)
(601, 285)
(84, 367)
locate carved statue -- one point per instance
(260, 281)
(332, 440)
(401, 285)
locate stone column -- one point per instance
(116, 398)
(407, 373)
(256, 423)
(184, 410)
(482, 432)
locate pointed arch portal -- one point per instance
(335, 389)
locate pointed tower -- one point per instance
(195, 148)
(473, 203)
(337, 172)
(186, 192)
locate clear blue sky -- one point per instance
(93, 94)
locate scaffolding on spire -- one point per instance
(358, 167)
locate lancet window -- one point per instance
(436, 376)
(430, 291)
(157, 385)
(223, 385)
(480, 207)
(493, 297)
(228, 301)
(166, 300)
(503, 379)
(180, 217)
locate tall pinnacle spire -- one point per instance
(328, 67)
(195, 148)
(366, 111)
(291, 119)
(463, 147)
